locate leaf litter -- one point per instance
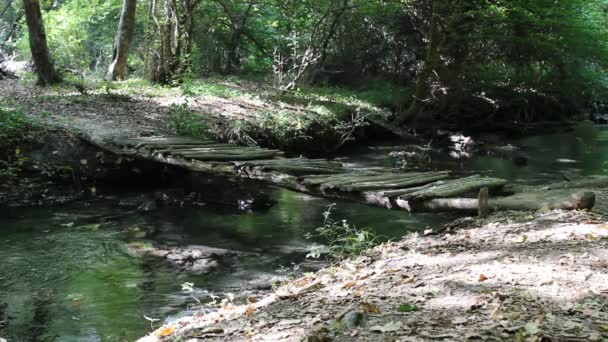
(424, 288)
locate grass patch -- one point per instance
(16, 129)
(186, 122)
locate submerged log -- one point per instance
(552, 199)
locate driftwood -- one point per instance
(552, 199)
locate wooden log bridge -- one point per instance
(412, 191)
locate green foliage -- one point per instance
(15, 130)
(80, 33)
(185, 122)
(343, 240)
(407, 307)
(15, 127)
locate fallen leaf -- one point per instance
(532, 328)
(459, 320)
(407, 307)
(349, 285)
(213, 330)
(302, 282)
(251, 333)
(358, 293)
(483, 277)
(370, 308)
(408, 281)
(590, 237)
(250, 311)
(388, 327)
(166, 332)
(251, 299)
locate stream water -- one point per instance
(66, 273)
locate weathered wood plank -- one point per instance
(404, 181)
(456, 187)
(417, 191)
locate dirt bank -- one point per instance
(514, 276)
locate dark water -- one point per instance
(575, 153)
(64, 276)
(66, 273)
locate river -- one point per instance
(66, 272)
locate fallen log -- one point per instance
(551, 199)
(384, 181)
(455, 187)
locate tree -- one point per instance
(173, 33)
(120, 53)
(38, 45)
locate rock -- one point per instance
(202, 266)
(195, 259)
(352, 319)
(266, 281)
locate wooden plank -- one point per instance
(391, 182)
(456, 187)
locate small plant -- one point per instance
(343, 239)
(188, 123)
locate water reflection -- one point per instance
(67, 274)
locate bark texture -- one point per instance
(120, 54)
(172, 57)
(43, 63)
(422, 93)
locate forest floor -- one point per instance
(240, 111)
(513, 276)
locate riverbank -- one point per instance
(510, 277)
(228, 110)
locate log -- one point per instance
(456, 187)
(322, 179)
(552, 199)
(301, 170)
(396, 183)
(229, 157)
(357, 182)
(483, 204)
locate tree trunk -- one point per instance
(120, 54)
(172, 59)
(38, 45)
(422, 92)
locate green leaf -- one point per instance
(407, 307)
